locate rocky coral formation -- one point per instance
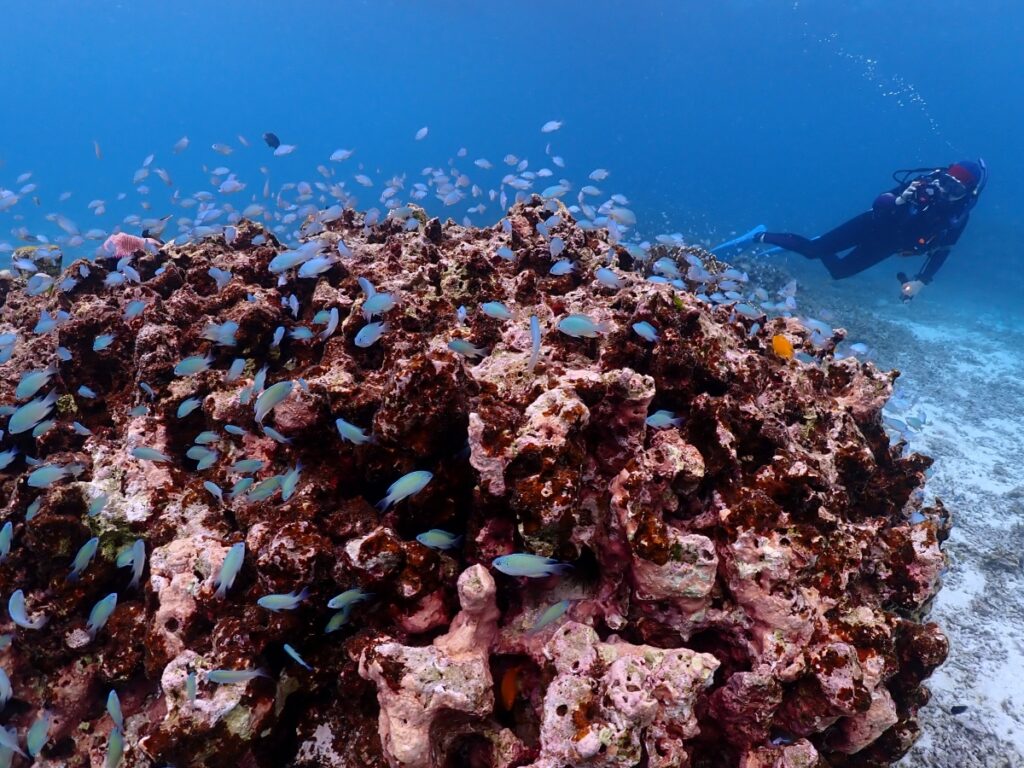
(415, 685)
(747, 586)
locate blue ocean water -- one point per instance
(710, 117)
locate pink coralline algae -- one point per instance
(748, 588)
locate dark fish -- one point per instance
(958, 709)
(153, 235)
(272, 141)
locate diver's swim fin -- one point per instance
(741, 240)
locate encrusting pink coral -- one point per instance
(748, 587)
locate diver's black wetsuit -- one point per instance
(928, 223)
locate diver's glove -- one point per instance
(909, 289)
(908, 194)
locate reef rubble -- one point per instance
(749, 586)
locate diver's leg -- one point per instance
(856, 261)
(796, 243)
(846, 235)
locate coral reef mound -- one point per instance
(749, 572)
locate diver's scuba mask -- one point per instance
(951, 187)
(954, 189)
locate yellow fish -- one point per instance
(783, 347)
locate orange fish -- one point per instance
(783, 347)
(509, 687)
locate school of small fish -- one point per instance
(300, 215)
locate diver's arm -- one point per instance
(942, 245)
(937, 256)
(893, 202)
(909, 288)
(932, 263)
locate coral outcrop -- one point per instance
(417, 685)
(748, 584)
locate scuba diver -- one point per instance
(923, 215)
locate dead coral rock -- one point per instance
(381, 556)
(437, 380)
(544, 477)
(419, 687)
(857, 732)
(800, 754)
(176, 575)
(297, 413)
(611, 703)
(743, 708)
(217, 727)
(542, 465)
(330, 747)
(774, 532)
(761, 571)
(431, 612)
(287, 554)
(688, 573)
(667, 564)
